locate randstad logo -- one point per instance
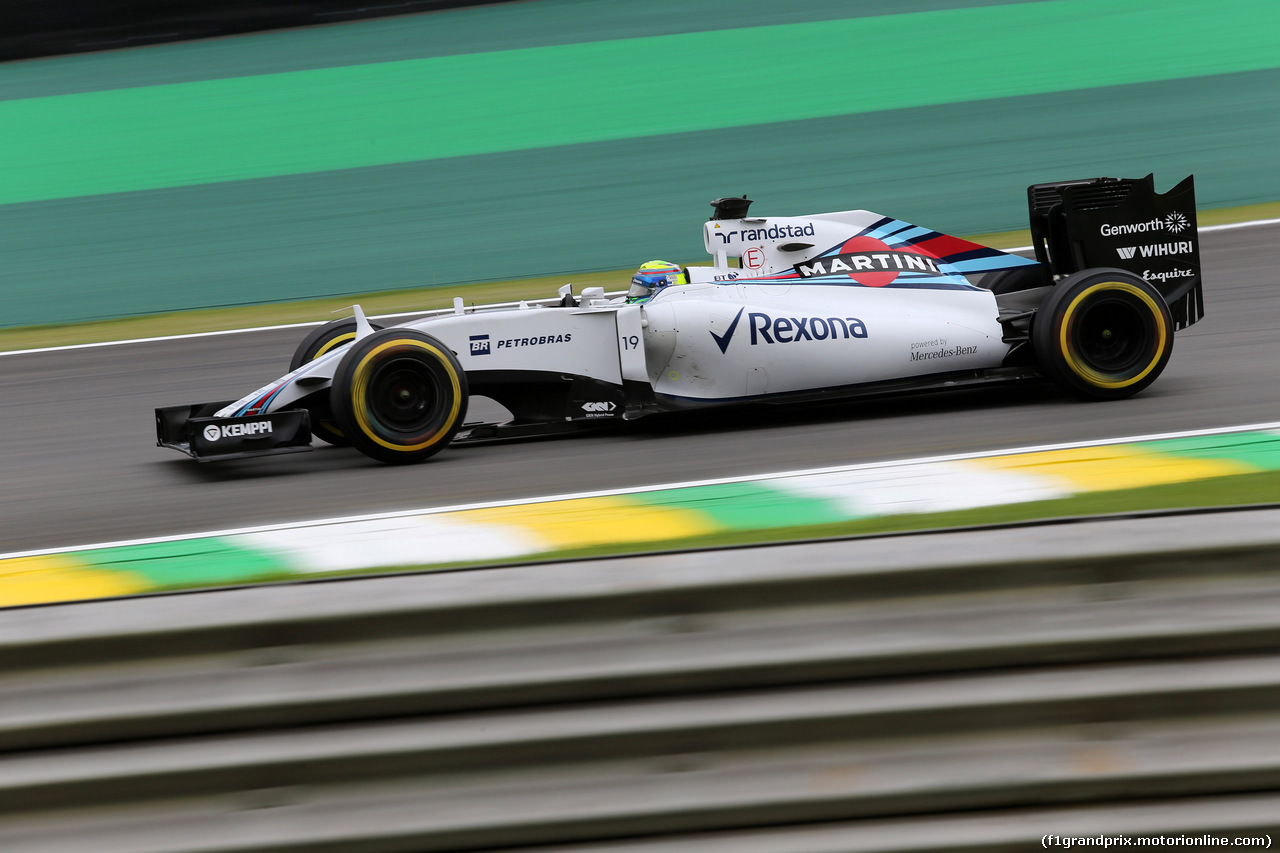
(767, 329)
(773, 232)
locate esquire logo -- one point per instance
(213, 432)
(1167, 275)
(767, 329)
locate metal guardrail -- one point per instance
(962, 691)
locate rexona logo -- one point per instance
(1174, 223)
(213, 432)
(1155, 250)
(767, 329)
(773, 232)
(480, 345)
(869, 262)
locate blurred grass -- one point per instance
(397, 301)
(1239, 490)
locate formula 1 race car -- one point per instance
(796, 308)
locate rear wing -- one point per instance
(1124, 223)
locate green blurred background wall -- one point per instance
(559, 136)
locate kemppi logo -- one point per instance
(213, 432)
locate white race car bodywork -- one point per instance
(733, 333)
(710, 342)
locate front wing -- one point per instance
(192, 430)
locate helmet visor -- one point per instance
(645, 284)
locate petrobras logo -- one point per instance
(1174, 223)
(479, 344)
(214, 432)
(1155, 250)
(870, 262)
(767, 329)
(541, 340)
(773, 232)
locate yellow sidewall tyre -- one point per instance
(399, 396)
(1103, 334)
(319, 341)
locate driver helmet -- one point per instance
(652, 277)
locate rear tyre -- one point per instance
(399, 396)
(1103, 334)
(320, 341)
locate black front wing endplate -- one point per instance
(192, 430)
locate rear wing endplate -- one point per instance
(1123, 223)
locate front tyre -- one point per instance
(1103, 334)
(399, 396)
(320, 341)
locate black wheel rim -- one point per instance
(405, 397)
(1114, 335)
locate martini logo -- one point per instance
(869, 262)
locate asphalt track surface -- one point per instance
(80, 465)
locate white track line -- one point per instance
(1208, 228)
(635, 490)
(199, 335)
